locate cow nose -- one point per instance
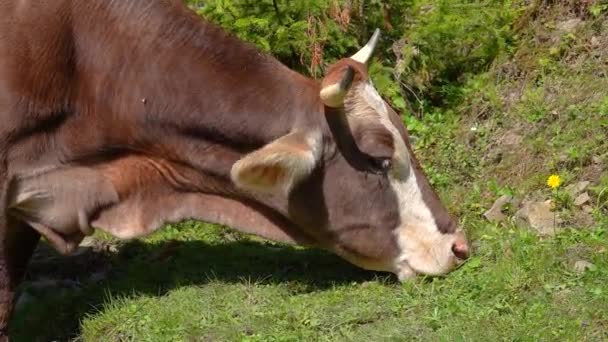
(460, 250)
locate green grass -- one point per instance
(194, 282)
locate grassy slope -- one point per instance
(198, 282)
(211, 288)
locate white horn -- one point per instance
(366, 52)
(333, 95)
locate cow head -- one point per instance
(351, 181)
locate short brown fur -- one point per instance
(134, 112)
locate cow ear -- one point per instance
(278, 166)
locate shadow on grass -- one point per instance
(153, 269)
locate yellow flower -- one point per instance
(554, 181)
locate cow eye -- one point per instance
(381, 165)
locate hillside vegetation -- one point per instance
(498, 95)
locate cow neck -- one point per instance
(181, 86)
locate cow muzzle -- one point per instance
(433, 254)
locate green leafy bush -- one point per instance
(445, 41)
(427, 49)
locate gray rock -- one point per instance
(569, 26)
(540, 217)
(575, 189)
(582, 199)
(494, 214)
(583, 265)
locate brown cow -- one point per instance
(125, 115)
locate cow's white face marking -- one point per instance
(423, 248)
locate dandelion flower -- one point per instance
(554, 181)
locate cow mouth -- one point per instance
(404, 270)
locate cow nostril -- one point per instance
(460, 250)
